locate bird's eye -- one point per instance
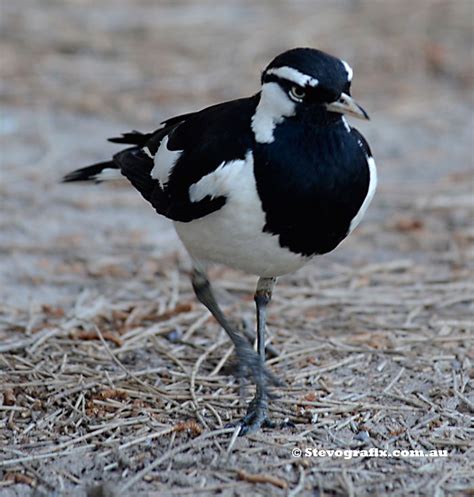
(297, 93)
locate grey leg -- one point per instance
(262, 297)
(258, 408)
(270, 350)
(249, 360)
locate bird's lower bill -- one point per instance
(347, 105)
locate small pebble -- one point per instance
(175, 335)
(362, 436)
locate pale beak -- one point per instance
(347, 105)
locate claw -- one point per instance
(255, 418)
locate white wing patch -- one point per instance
(220, 182)
(165, 160)
(293, 75)
(370, 194)
(147, 151)
(234, 234)
(273, 107)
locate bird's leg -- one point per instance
(258, 408)
(248, 360)
(249, 331)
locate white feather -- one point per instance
(273, 107)
(147, 152)
(346, 124)
(293, 75)
(217, 183)
(165, 160)
(370, 194)
(348, 69)
(234, 234)
(109, 174)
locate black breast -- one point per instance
(312, 182)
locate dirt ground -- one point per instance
(114, 380)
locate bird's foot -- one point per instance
(250, 364)
(256, 417)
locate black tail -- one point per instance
(132, 138)
(97, 172)
(103, 171)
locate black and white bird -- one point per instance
(262, 184)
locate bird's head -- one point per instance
(305, 80)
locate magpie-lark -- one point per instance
(262, 184)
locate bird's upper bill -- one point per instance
(347, 105)
(310, 76)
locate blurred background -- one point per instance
(74, 72)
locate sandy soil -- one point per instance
(113, 378)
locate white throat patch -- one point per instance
(272, 109)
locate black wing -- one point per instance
(205, 140)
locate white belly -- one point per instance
(234, 235)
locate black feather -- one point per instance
(138, 138)
(136, 166)
(89, 173)
(132, 138)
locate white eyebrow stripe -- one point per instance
(348, 69)
(293, 75)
